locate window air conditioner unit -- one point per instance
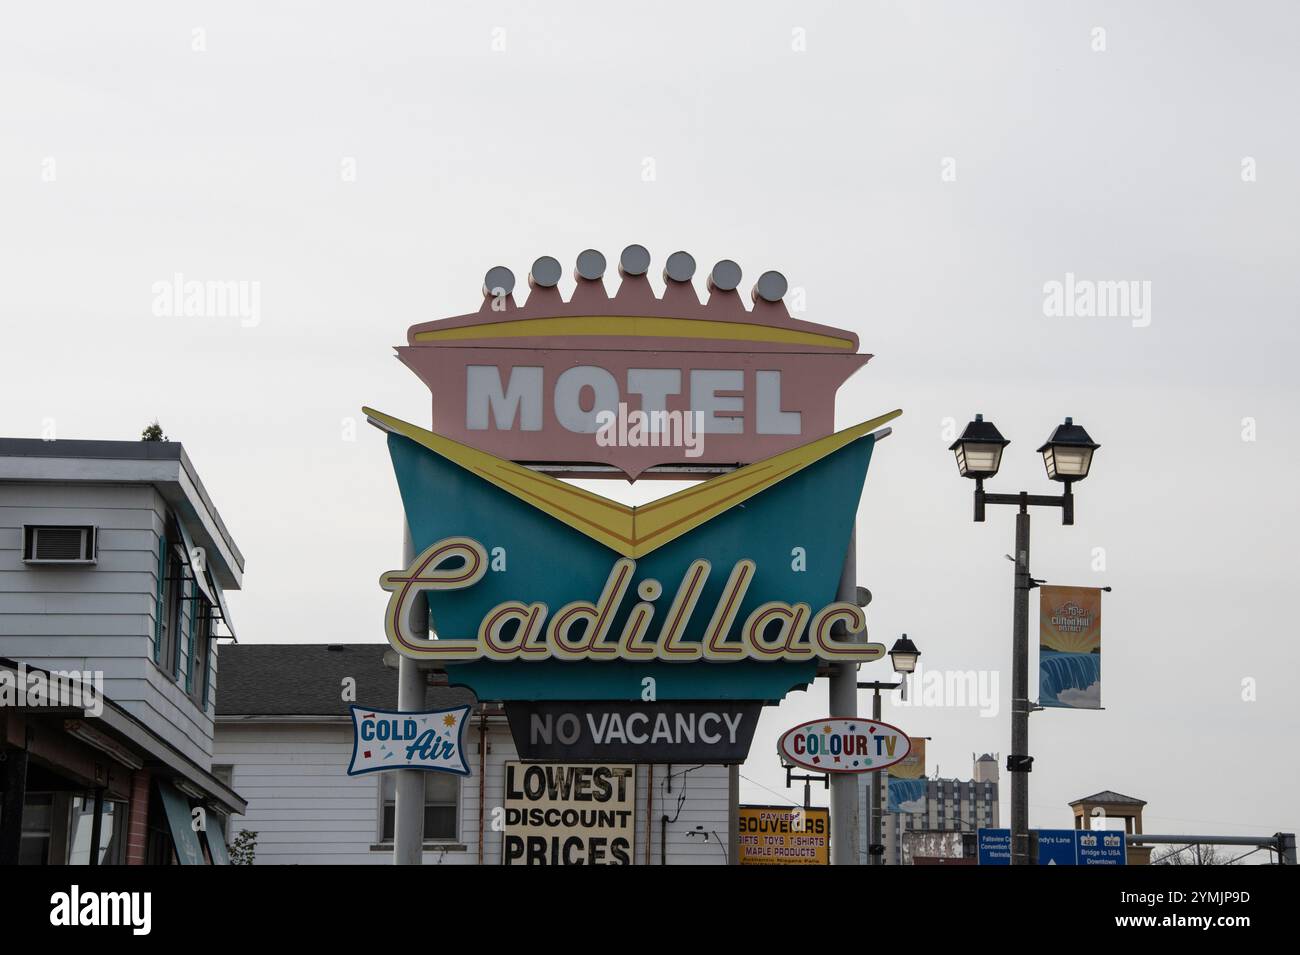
(59, 544)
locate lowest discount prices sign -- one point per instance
(559, 814)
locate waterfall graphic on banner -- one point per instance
(1069, 656)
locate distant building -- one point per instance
(113, 567)
(941, 806)
(284, 736)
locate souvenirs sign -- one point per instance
(840, 745)
(715, 733)
(569, 814)
(784, 835)
(388, 739)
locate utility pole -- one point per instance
(877, 796)
(408, 810)
(846, 815)
(1019, 763)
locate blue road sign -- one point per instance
(994, 846)
(1102, 847)
(1058, 847)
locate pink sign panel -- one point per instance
(631, 382)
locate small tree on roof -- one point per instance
(153, 433)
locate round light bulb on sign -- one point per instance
(498, 281)
(545, 273)
(725, 276)
(591, 265)
(635, 260)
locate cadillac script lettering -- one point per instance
(584, 630)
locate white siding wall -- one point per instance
(307, 810)
(98, 617)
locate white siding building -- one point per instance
(113, 564)
(284, 733)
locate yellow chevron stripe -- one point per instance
(631, 531)
(624, 326)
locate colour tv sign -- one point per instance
(839, 745)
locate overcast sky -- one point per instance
(919, 170)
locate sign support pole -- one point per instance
(408, 811)
(877, 794)
(846, 813)
(1019, 762)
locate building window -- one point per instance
(112, 836)
(441, 807)
(170, 605)
(38, 823)
(202, 624)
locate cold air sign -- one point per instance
(569, 814)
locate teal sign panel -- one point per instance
(796, 531)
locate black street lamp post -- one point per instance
(903, 655)
(1067, 455)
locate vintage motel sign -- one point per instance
(539, 590)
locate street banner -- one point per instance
(1069, 656)
(569, 814)
(906, 781)
(390, 739)
(913, 765)
(612, 732)
(784, 835)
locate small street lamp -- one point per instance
(1067, 456)
(903, 655)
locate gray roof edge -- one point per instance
(143, 451)
(93, 448)
(202, 491)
